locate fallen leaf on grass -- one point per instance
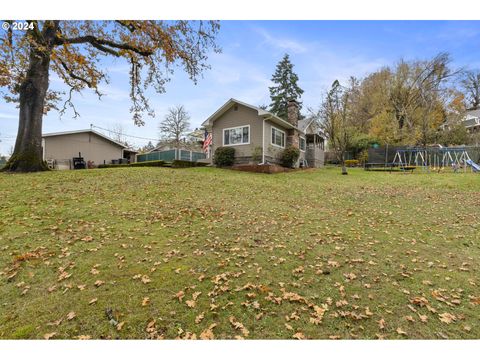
(71, 315)
(423, 318)
(401, 332)
(49, 335)
(151, 326)
(145, 301)
(475, 300)
(199, 318)
(180, 295)
(93, 301)
(239, 326)
(298, 336)
(447, 318)
(84, 337)
(99, 283)
(382, 324)
(207, 334)
(55, 323)
(350, 276)
(120, 325)
(419, 301)
(191, 303)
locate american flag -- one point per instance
(207, 142)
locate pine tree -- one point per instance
(285, 88)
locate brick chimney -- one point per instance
(292, 118)
(292, 112)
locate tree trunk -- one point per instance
(344, 168)
(27, 155)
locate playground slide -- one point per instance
(474, 166)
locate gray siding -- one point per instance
(273, 152)
(91, 146)
(243, 153)
(233, 118)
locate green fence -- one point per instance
(169, 155)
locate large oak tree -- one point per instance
(74, 51)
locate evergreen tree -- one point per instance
(149, 146)
(285, 88)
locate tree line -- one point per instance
(410, 103)
(416, 103)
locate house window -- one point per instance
(303, 144)
(236, 136)
(278, 137)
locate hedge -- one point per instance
(351, 163)
(137, 164)
(186, 164)
(160, 163)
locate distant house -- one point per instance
(196, 136)
(472, 120)
(189, 149)
(256, 133)
(61, 147)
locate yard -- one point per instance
(208, 253)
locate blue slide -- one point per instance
(474, 166)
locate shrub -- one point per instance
(106, 166)
(186, 164)
(149, 163)
(351, 163)
(257, 154)
(290, 156)
(363, 156)
(137, 164)
(224, 156)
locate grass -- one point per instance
(303, 254)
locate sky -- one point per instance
(321, 51)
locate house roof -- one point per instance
(262, 113)
(303, 125)
(473, 113)
(471, 119)
(87, 131)
(471, 122)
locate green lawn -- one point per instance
(216, 253)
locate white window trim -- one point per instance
(284, 137)
(304, 139)
(236, 127)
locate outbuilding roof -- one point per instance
(87, 131)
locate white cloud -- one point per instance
(282, 43)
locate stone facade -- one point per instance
(293, 135)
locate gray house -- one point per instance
(60, 148)
(258, 134)
(472, 120)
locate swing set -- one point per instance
(436, 159)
